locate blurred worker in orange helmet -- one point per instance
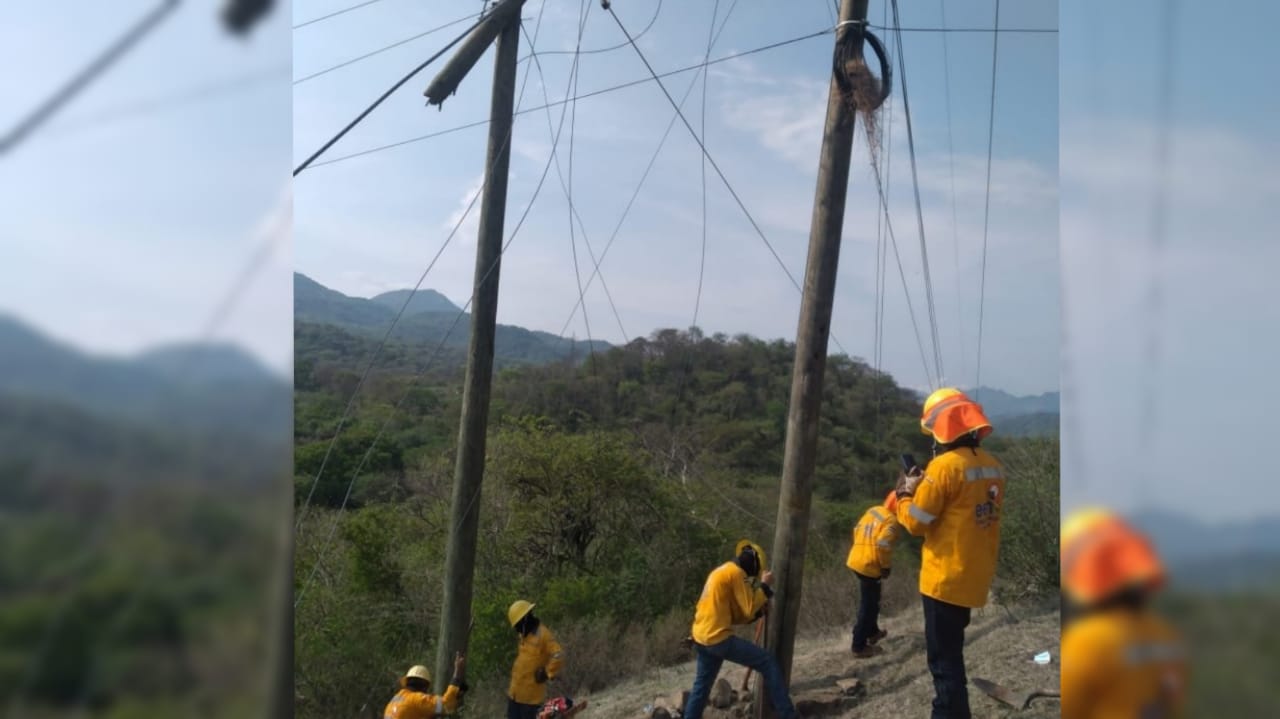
(955, 504)
(870, 558)
(1119, 659)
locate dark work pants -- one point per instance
(868, 621)
(522, 711)
(944, 626)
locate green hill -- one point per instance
(429, 321)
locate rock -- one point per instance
(721, 694)
(823, 703)
(674, 702)
(851, 687)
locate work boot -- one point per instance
(870, 651)
(877, 636)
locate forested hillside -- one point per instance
(613, 484)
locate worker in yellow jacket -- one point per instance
(870, 558)
(731, 596)
(539, 659)
(415, 700)
(1119, 659)
(955, 505)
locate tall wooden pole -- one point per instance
(469, 470)
(792, 530)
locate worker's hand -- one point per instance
(459, 664)
(540, 676)
(884, 572)
(767, 578)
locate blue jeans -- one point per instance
(944, 626)
(738, 651)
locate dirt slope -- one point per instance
(1000, 643)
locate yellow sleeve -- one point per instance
(555, 655)
(449, 700)
(917, 514)
(885, 539)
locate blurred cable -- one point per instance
(78, 83)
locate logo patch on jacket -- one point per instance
(988, 513)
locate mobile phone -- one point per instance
(909, 464)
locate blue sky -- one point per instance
(130, 214)
(1212, 383)
(372, 223)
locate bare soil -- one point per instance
(1000, 643)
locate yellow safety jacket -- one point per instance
(727, 599)
(408, 704)
(1123, 664)
(956, 508)
(538, 650)
(873, 540)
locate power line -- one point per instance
(386, 337)
(77, 84)
(594, 93)
(439, 347)
(574, 76)
(702, 165)
(711, 159)
(573, 207)
(596, 51)
(706, 154)
(142, 108)
(335, 14)
(385, 95)
(1024, 30)
(951, 169)
(915, 183)
(381, 50)
(986, 213)
(884, 203)
(649, 167)
(1156, 237)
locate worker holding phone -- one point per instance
(955, 504)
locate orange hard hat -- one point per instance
(1102, 554)
(891, 502)
(949, 414)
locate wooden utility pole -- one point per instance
(792, 530)
(459, 567)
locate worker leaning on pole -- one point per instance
(539, 659)
(870, 558)
(415, 700)
(955, 505)
(1119, 659)
(729, 598)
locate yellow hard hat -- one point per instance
(949, 414)
(743, 544)
(418, 672)
(938, 395)
(518, 609)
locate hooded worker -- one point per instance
(539, 659)
(870, 558)
(955, 505)
(1119, 659)
(736, 592)
(415, 700)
